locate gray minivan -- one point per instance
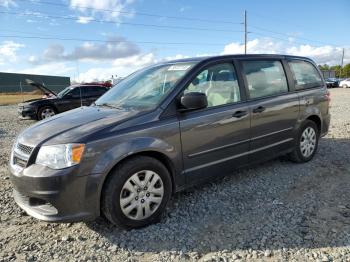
(164, 128)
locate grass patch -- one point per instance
(10, 99)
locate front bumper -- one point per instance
(56, 195)
(27, 112)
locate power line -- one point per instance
(279, 38)
(134, 13)
(286, 40)
(154, 26)
(283, 21)
(75, 18)
(284, 34)
(107, 41)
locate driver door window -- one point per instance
(219, 83)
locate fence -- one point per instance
(16, 83)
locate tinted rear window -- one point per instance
(305, 74)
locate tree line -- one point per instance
(341, 72)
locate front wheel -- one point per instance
(46, 112)
(137, 192)
(306, 144)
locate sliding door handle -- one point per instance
(239, 114)
(259, 109)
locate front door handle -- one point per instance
(239, 114)
(259, 109)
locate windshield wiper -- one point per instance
(109, 105)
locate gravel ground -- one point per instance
(276, 211)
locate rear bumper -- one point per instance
(56, 195)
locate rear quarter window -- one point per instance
(305, 74)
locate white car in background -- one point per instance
(345, 83)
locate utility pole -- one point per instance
(245, 32)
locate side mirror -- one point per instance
(194, 100)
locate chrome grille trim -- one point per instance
(20, 156)
(26, 150)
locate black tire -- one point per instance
(110, 202)
(42, 109)
(296, 155)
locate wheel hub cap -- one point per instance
(308, 142)
(141, 195)
(47, 113)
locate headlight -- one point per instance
(60, 156)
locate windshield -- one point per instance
(64, 91)
(144, 89)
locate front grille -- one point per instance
(21, 155)
(27, 150)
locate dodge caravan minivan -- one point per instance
(164, 128)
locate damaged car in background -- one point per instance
(54, 103)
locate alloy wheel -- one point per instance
(47, 112)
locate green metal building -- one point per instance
(15, 83)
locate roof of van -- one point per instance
(208, 58)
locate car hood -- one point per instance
(32, 101)
(73, 126)
(41, 87)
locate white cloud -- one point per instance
(57, 69)
(7, 3)
(175, 57)
(8, 51)
(321, 55)
(53, 22)
(181, 56)
(125, 59)
(84, 19)
(124, 66)
(33, 59)
(92, 8)
(184, 8)
(116, 47)
(135, 61)
(120, 67)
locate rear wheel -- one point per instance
(46, 112)
(306, 144)
(136, 193)
(345, 86)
